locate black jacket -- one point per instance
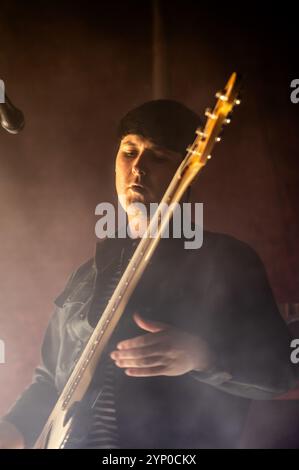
(220, 292)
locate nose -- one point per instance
(138, 168)
(137, 171)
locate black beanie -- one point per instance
(168, 123)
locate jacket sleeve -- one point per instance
(31, 410)
(250, 338)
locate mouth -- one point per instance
(137, 188)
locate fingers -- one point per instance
(144, 362)
(146, 372)
(137, 353)
(141, 341)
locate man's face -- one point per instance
(143, 170)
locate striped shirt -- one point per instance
(103, 433)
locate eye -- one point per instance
(130, 153)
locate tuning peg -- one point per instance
(237, 101)
(201, 134)
(193, 151)
(227, 121)
(209, 114)
(221, 96)
(218, 139)
(209, 157)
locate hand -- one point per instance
(165, 350)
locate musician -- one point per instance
(200, 337)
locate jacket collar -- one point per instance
(109, 250)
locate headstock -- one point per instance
(200, 151)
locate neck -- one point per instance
(137, 225)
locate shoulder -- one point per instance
(224, 245)
(225, 254)
(80, 274)
(82, 270)
(105, 250)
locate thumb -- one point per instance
(149, 325)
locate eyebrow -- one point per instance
(128, 142)
(155, 147)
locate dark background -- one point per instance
(74, 68)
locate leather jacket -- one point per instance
(220, 292)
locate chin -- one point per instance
(136, 197)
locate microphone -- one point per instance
(11, 118)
